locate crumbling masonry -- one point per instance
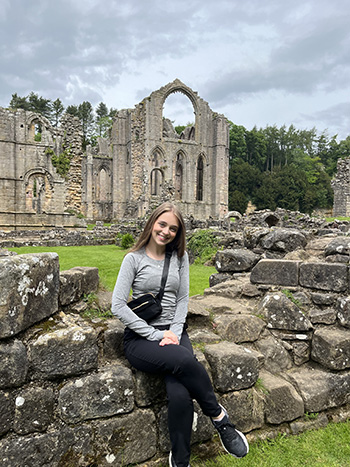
(142, 163)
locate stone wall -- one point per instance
(341, 188)
(274, 337)
(33, 193)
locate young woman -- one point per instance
(163, 345)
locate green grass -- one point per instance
(328, 447)
(339, 218)
(108, 258)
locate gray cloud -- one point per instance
(230, 51)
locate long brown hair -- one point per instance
(179, 242)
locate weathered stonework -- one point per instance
(146, 162)
(33, 194)
(141, 163)
(341, 188)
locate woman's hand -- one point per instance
(169, 338)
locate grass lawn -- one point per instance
(108, 258)
(328, 447)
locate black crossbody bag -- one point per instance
(148, 306)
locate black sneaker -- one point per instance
(172, 462)
(233, 441)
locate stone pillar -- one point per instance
(88, 188)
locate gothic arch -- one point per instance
(156, 155)
(156, 178)
(103, 183)
(200, 174)
(179, 175)
(178, 86)
(36, 126)
(38, 184)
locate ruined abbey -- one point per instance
(46, 179)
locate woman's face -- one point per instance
(164, 229)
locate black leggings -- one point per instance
(185, 379)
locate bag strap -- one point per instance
(165, 274)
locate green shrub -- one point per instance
(202, 246)
(127, 241)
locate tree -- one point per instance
(244, 179)
(112, 112)
(18, 102)
(39, 105)
(57, 111)
(101, 110)
(256, 148)
(86, 116)
(103, 121)
(73, 110)
(238, 145)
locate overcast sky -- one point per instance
(258, 62)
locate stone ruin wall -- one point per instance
(68, 397)
(341, 188)
(33, 194)
(142, 163)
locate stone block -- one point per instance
(322, 316)
(113, 345)
(324, 276)
(14, 364)
(281, 313)
(233, 367)
(321, 421)
(34, 410)
(239, 328)
(320, 389)
(331, 348)
(236, 260)
(67, 446)
(338, 246)
(125, 440)
(301, 352)
(149, 388)
(283, 240)
(276, 357)
(7, 410)
(76, 282)
(246, 408)
(64, 352)
(344, 311)
(275, 272)
(28, 290)
(282, 402)
(104, 394)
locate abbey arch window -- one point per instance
(102, 185)
(179, 114)
(200, 177)
(156, 182)
(156, 173)
(35, 130)
(39, 192)
(178, 177)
